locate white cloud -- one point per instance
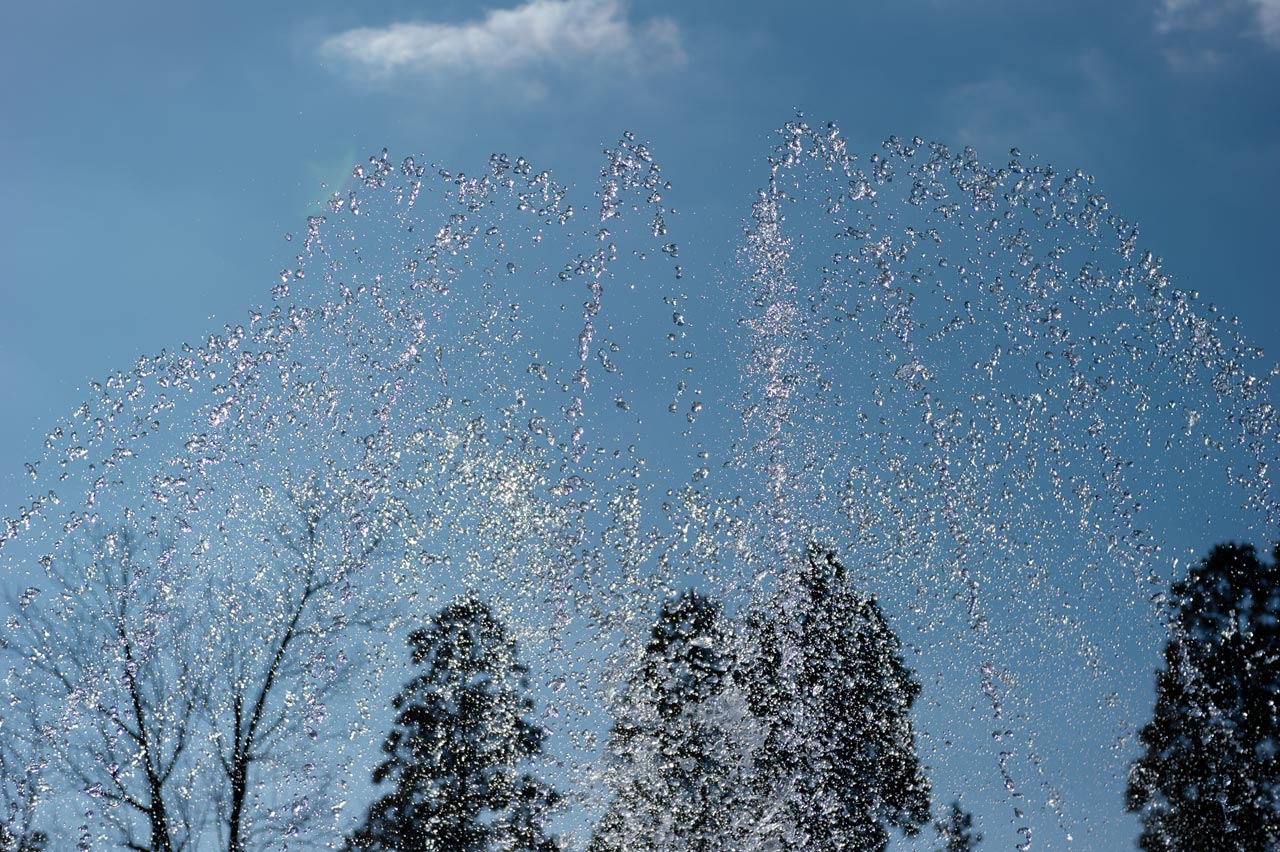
(537, 32)
(1262, 16)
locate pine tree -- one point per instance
(458, 756)
(1209, 777)
(827, 680)
(676, 749)
(955, 829)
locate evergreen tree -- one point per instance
(1209, 777)
(826, 678)
(955, 829)
(676, 749)
(459, 753)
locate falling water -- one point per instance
(969, 379)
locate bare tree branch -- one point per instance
(95, 661)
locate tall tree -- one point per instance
(459, 755)
(827, 679)
(1209, 774)
(678, 747)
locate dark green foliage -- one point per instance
(458, 755)
(955, 829)
(1209, 775)
(689, 656)
(675, 753)
(838, 767)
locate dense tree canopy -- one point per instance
(827, 680)
(1209, 774)
(676, 751)
(458, 756)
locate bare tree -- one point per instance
(19, 783)
(274, 656)
(99, 653)
(186, 686)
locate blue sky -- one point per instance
(158, 154)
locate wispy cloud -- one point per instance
(1259, 17)
(1002, 112)
(539, 32)
(1269, 20)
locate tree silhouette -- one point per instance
(1209, 775)
(17, 799)
(184, 713)
(826, 677)
(105, 638)
(955, 829)
(458, 755)
(258, 684)
(677, 747)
